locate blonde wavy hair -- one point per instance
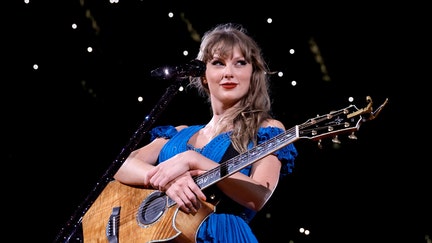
(252, 110)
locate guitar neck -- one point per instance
(242, 160)
(346, 120)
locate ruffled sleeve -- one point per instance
(286, 154)
(163, 132)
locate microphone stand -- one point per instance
(72, 232)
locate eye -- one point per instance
(216, 63)
(241, 63)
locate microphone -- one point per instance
(194, 68)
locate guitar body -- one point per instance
(166, 223)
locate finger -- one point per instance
(195, 172)
(158, 182)
(197, 191)
(190, 201)
(185, 205)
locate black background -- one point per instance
(67, 122)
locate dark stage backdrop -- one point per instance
(68, 120)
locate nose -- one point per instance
(227, 73)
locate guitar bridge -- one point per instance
(113, 226)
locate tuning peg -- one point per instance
(320, 144)
(336, 139)
(352, 136)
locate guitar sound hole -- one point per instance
(152, 208)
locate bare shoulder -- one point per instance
(180, 127)
(273, 123)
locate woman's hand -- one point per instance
(175, 177)
(185, 192)
(159, 176)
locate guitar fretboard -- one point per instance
(240, 161)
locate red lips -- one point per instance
(229, 85)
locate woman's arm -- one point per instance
(250, 191)
(135, 167)
(254, 191)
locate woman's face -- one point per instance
(228, 78)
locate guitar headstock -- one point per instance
(346, 120)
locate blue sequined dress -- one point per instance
(230, 221)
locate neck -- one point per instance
(215, 126)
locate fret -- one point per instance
(242, 160)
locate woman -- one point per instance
(236, 84)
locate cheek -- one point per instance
(214, 76)
(244, 73)
(244, 77)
